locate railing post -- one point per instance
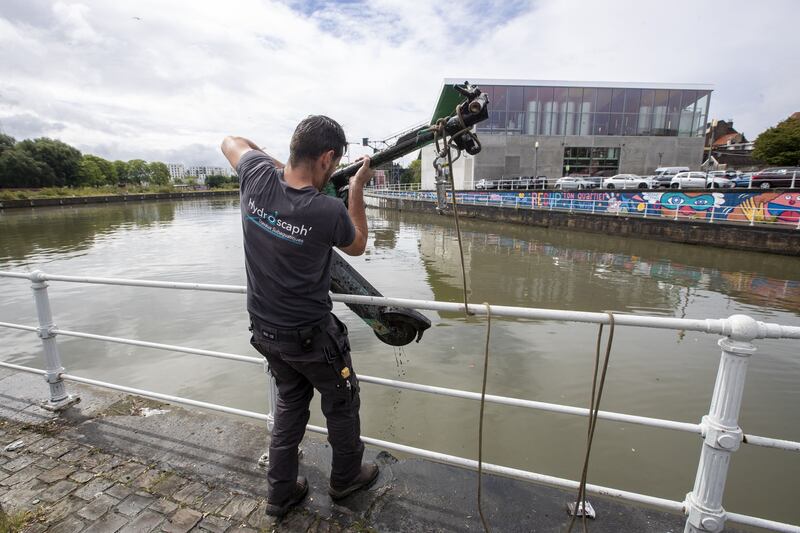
(59, 399)
(722, 434)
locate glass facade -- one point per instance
(590, 161)
(560, 111)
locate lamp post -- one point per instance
(536, 162)
(660, 155)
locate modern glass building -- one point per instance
(561, 128)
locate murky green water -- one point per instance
(663, 374)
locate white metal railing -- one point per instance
(719, 429)
(599, 202)
(543, 182)
(395, 187)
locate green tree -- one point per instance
(779, 145)
(89, 173)
(20, 170)
(95, 171)
(121, 171)
(137, 171)
(158, 173)
(413, 174)
(6, 142)
(216, 181)
(61, 157)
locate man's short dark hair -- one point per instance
(314, 136)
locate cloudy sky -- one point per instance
(166, 80)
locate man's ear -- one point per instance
(324, 160)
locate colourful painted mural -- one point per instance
(758, 207)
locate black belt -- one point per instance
(302, 335)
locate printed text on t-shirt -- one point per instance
(272, 224)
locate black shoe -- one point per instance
(300, 491)
(365, 478)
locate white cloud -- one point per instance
(158, 79)
(72, 20)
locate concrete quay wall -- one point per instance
(110, 198)
(784, 240)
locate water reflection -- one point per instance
(41, 233)
(571, 270)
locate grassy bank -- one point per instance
(63, 192)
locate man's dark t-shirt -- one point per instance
(288, 239)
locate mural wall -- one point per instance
(753, 206)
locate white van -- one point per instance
(663, 175)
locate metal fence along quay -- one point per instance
(719, 429)
(762, 208)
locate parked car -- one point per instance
(628, 181)
(516, 182)
(541, 182)
(776, 177)
(743, 180)
(717, 180)
(595, 181)
(730, 174)
(663, 175)
(485, 184)
(687, 180)
(573, 182)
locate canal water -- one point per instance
(656, 373)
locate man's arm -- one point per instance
(357, 210)
(235, 147)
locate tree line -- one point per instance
(780, 145)
(44, 162)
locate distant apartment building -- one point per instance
(202, 172)
(176, 171)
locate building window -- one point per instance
(569, 111)
(591, 161)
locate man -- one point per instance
(290, 229)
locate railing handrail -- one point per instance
(721, 326)
(661, 423)
(738, 330)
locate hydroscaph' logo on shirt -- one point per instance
(275, 226)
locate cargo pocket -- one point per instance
(338, 356)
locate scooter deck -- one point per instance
(392, 325)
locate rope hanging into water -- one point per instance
(440, 134)
(480, 419)
(594, 408)
(441, 150)
(445, 149)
